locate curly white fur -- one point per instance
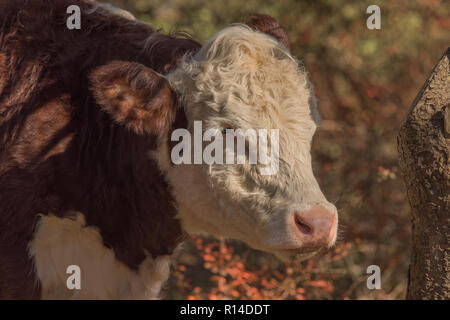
(244, 79)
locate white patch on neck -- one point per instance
(197, 209)
(61, 242)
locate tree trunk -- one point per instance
(424, 150)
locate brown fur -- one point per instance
(135, 96)
(269, 25)
(59, 151)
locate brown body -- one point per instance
(60, 152)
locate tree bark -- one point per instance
(424, 152)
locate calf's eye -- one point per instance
(224, 130)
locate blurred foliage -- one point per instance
(365, 81)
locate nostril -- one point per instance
(315, 227)
(302, 226)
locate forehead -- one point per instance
(254, 82)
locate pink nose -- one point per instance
(316, 228)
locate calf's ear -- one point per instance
(269, 25)
(134, 96)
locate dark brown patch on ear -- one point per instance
(135, 96)
(270, 26)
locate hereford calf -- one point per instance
(89, 121)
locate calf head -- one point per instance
(244, 77)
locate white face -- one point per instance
(242, 79)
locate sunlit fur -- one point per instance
(244, 79)
(111, 9)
